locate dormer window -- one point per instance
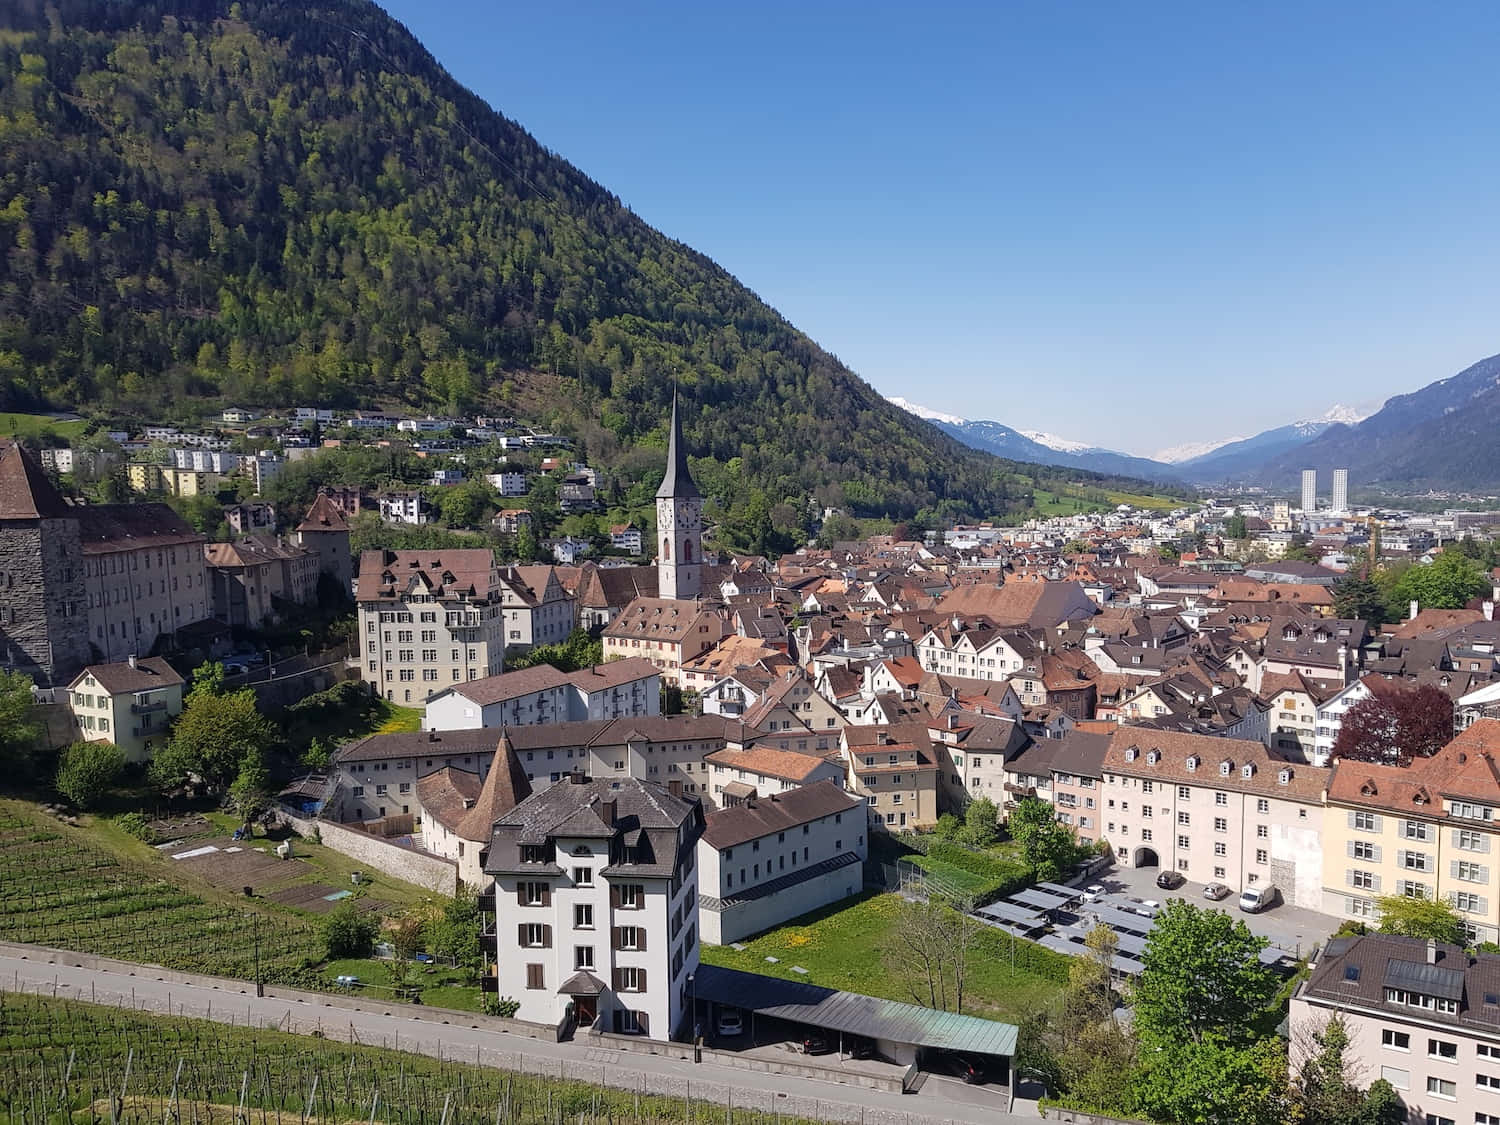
(1152, 757)
(1247, 771)
(1131, 753)
(1226, 767)
(1283, 777)
(535, 853)
(1192, 763)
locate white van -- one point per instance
(1257, 898)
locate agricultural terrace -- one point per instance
(63, 1061)
(851, 946)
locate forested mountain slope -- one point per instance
(283, 202)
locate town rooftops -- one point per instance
(760, 816)
(1355, 973)
(147, 674)
(324, 515)
(489, 690)
(423, 744)
(252, 550)
(1465, 769)
(660, 619)
(392, 575)
(505, 787)
(109, 528)
(448, 794)
(785, 765)
(1182, 758)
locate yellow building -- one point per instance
(895, 769)
(1427, 830)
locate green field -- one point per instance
(1070, 501)
(35, 425)
(844, 947)
(45, 1041)
(950, 876)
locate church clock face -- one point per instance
(688, 519)
(664, 517)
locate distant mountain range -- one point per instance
(1208, 462)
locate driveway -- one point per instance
(1291, 928)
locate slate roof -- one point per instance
(449, 573)
(417, 744)
(505, 786)
(25, 491)
(727, 828)
(1354, 972)
(677, 483)
(106, 528)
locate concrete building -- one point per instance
(44, 605)
(666, 631)
(537, 608)
(258, 581)
(428, 620)
(1341, 491)
(895, 770)
(1427, 830)
(1423, 1015)
(679, 522)
(768, 859)
(131, 704)
(404, 507)
(596, 905)
(1309, 492)
(543, 694)
(1218, 810)
(743, 773)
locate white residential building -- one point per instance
(772, 858)
(538, 608)
(131, 704)
(508, 482)
(596, 905)
(404, 507)
(543, 694)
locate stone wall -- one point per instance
(44, 621)
(408, 864)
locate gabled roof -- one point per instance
(760, 816)
(505, 787)
(147, 674)
(25, 491)
(324, 515)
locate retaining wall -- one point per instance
(801, 1066)
(425, 870)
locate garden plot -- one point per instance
(320, 898)
(232, 865)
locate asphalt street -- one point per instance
(235, 1003)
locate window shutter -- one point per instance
(1453, 868)
(640, 938)
(546, 937)
(546, 894)
(640, 980)
(1484, 905)
(1484, 843)
(1484, 873)
(614, 937)
(1375, 854)
(1349, 847)
(614, 896)
(521, 934)
(1350, 815)
(521, 894)
(614, 979)
(1376, 887)
(643, 1021)
(1348, 876)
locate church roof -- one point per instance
(27, 494)
(678, 482)
(505, 786)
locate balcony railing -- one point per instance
(147, 708)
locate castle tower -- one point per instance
(326, 531)
(44, 606)
(679, 523)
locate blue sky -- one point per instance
(1132, 224)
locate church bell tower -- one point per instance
(679, 523)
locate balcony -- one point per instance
(486, 903)
(148, 708)
(488, 942)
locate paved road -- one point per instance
(225, 1003)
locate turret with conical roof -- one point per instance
(679, 522)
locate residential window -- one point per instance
(1184, 818)
(1470, 840)
(1415, 861)
(630, 937)
(1262, 805)
(583, 916)
(1397, 1077)
(630, 895)
(1221, 799)
(1364, 821)
(1183, 792)
(1442, 1049)
(1412, 889)
(1395, 1040)
(583, 957)
(534, 977)
(1221, 849)
(1221, 824)
(1184, 843)
(1362, 880)
(1471, 872)
(1414, 830)
(534, 934)
(1262, 832)
(1442, 1088)
(1218, 873)
(1363, 849)
(1260, 855)
(533, 894)
(583, 876)
(633, 979)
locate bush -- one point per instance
(134, 824)
(348, 932)
(87, 771)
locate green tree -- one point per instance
(465, 504)
(453, 933)
(1236, 527)
(1324, 1094)
(86, 771)
(1047, 845)
(1421, 918)
(1355, 597)
(1211, 1083)
(1450, 582)
(349, 931)
(1201, 979)
(19, 730)
(981, 823)
(213, 736)
(250, 791)
(947, 827)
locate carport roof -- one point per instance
(858, 1015)
(1117, 919)
(1071, 894)
(1039, 899)
(1010, 912)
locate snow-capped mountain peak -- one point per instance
(1348, 415)
(1188, 450)
(1052, 441)
(925, 411)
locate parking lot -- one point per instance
(1291, 928)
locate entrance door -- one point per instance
(586, 1010)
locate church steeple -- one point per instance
(678, 481)
(679, 522)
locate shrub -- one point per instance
(87, 771)
(349, 933)
(134, 824)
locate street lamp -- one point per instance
(697, 1027)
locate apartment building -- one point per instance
(543, 694)
(1218, 810)
(895, 769)
(256, 580)
(131, 704)
(538, 609)
(428, 620)
(1427, 830)
(666, 631)
(1424, 1016)
(661, 749)
(456, 809)
(768, 859)
(596, 905)
(740, 773)
(377, 776)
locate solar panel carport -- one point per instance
(1031, 896)
(900, 1030)
(1010, 912)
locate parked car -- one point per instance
(858, 1047)
(1216, 891)
(816, 1045)
(731, 1022)
(1144, 906)
(1255, 899)
(1093, 892)
(966, 1068)
(1170, 880)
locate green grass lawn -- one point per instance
(950, 875)
(441, 985)
(35, 425)
(398, 719)
(844, 947)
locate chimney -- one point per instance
(578, 777)
(607, 810)
(432, 736)
(1413, 612)
(1431, 951)
(131, 658)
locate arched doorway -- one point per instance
(1145, 857)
